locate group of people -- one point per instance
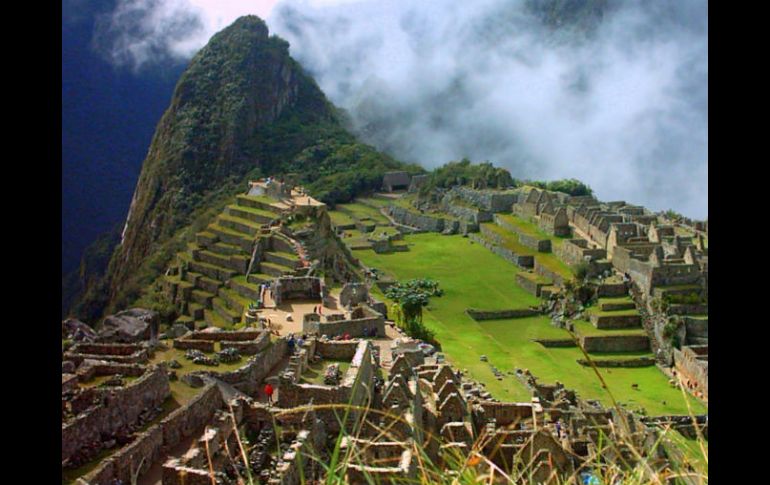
(318, 309)
(295, 343)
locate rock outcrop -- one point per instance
(134, 325)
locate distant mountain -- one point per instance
(243, 108)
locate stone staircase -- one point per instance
(211, 282)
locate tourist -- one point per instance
(300, 343)
(269, 392)
(291, 343)
(558, 429)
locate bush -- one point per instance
(567, 186)
(581, 270)
(408, 300)
(479, 176)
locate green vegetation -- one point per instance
(567, 186)
(511, 241)
(361, 211)
(342, 168)
(409, 298)
(473, 277)
(478, 176)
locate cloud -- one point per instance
(623, 109)
(140, 33)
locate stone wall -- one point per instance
(90, 369)
(532, 242)
(202, 345)
(420, 221)
(693, 371)
(697, 330)
(648, 276)
(505, 413)
(249, 377)
(575, 251)
(615, 343)
(548, 274)
(149, 446)
(530, 283)
(354, 327)
(356, 389)
(145, 449)
(480, 315)
(491, 200)
(228, 335)
(107, 349)
(123, 353)
(523, 261)
(630, 363)
(249, 347)
(300, 287)
(605, 322)
(336, 349)
(564, 342)
(185, 421)
(118, 408)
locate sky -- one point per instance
(625, 110)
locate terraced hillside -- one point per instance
(548, 270)
(473, 277)
(361, 223)
(215, 279)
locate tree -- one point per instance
(409, 298)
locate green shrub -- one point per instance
(581, 270)
(567, 186)
(478, 176)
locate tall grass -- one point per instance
(473, 465)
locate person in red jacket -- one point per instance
(269, 392)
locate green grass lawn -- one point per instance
(361, 211)
(511, 241)
(340, 218)
(473, 277)
(530, 228)
(374, 201)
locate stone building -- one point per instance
(393, 181)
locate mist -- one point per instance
(619, 102)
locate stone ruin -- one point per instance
(361, 321)
(353, 294)
(297, 288)
(421, 403)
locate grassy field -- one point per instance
(473, 277)
(361, 211)
(511, 241)
(340, 219)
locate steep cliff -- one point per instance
(243, 108)
(240, 82)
